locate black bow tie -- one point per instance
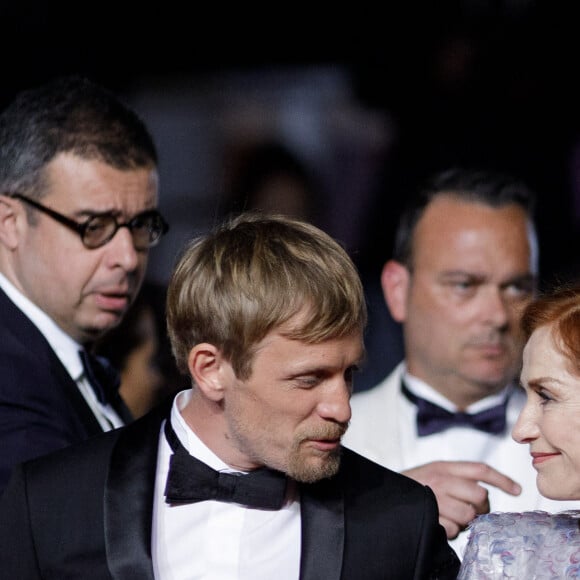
(433, 419)
(102, 376)
(190, 480)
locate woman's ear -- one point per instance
(207, 366)
(395, 279)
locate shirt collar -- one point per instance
(425, 391)
(190, 440)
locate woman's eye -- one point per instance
(544, 395)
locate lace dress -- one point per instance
(531, 545)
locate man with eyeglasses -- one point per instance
(78, 198)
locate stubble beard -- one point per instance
(314, 467)
(306, 464)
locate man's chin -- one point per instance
(314, 469)
(102, 324)
(495, 374)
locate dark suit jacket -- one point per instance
(41, 408)
(86, 512)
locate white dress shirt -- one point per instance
(383, 428)
(67, 350)
(213, 540)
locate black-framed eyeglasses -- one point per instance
(146, 228)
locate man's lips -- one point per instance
(325, 444)
(112, 301)
(490, 348)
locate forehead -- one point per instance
(456, 234)
(334, 352)
(542, 357)
(94, 182)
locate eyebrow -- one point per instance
(539, 382)
(527, 278)
(454, 274)
(89, 213)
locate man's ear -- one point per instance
(395, 279)
(9, 222)
(207, 367)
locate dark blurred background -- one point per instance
(363, 101)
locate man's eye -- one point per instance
(520, 290)
(97, 224)
(141, 223)
(95, 227)
(308, 381)
(464, 287)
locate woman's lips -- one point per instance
(538, 458)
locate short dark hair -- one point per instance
(70, 114)
(492, 188)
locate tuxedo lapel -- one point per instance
(72, 394)
(380, 444)
(322, 511)
(121, 408)
(128, 509)
(15, 324)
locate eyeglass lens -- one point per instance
(146, 230)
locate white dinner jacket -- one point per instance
(382, 428)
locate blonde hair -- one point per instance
(251, 275)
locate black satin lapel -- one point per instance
(81, 408)
(129, 498)
(322, 510)
(15, 323)
(122, 410)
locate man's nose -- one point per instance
(335, 404)
(122, 249)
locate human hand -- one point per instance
(457, 487)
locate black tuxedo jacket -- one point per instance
(86, 513)
(41, 408)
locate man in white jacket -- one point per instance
(465, 264)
